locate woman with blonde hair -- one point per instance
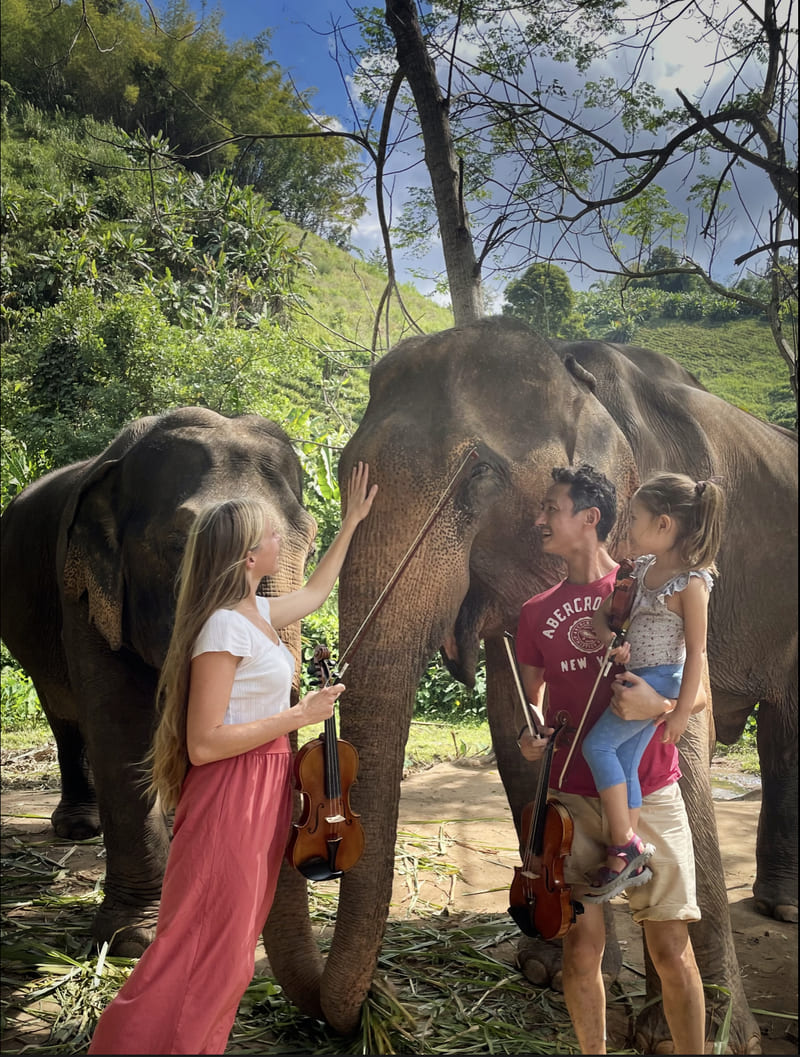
(221, 758)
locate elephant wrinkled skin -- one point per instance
(89, 616)
(89, 557)
(528, 405)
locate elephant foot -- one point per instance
(668, 1046)
(652, 1034)
(128, 932)
(540, 962)
(73, 821)
(778, 911)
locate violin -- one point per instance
(622, 597)
(328, 839)
(540, 902)
(619, 616)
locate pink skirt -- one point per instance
(229, 837)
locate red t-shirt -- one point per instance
(556, 633)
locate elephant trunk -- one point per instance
(376, 709)
(384, 695)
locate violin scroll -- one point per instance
(319, 668)
(622, 600)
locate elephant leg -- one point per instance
(712, 936)
(291, 946)
(76, 816)
(775, 887)
(540, 960)
(117, 693)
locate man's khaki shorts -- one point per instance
(671, 895)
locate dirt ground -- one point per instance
(457, 812)
(464, 804)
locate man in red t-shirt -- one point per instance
(558, 651)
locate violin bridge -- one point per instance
(529, 873)
(332, 819)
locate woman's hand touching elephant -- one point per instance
(286, 609)
(359, 495)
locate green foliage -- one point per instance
(217, 103)
(85, 367)
(319, 458)
(745, 750)
(18, 467)
(542, 297)
(19, 703)
(441, 697)
(661, 258)
(132, 286)
(647, 218)
(205, 248)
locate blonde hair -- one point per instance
(212, 576)
(699, 509)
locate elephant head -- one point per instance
(525, 406)
(91, 623)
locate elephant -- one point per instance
(90, 554)
(526, 405)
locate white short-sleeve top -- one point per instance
(656, 633)
(263, 679)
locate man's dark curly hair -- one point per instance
(587, 488)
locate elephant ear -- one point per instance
(89, 545)
(598, 440)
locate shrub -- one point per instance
(442, 697)
(19, 703)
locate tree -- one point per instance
(509, 147)
(444, 166)
(542, 297)
(663, 264)
(220, 106)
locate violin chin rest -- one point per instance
(318, 869)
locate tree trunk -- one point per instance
(463, 270)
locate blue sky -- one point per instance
(300, 39)
(301, 43)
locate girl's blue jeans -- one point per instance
(613, 748)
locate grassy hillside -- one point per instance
(736, 360)
(343, 295)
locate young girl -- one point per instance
(676, 525)
(221, 754)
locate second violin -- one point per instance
(540, 901)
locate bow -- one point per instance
(619, 620)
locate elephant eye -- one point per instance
(481, 469)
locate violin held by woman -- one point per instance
(328, 839)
